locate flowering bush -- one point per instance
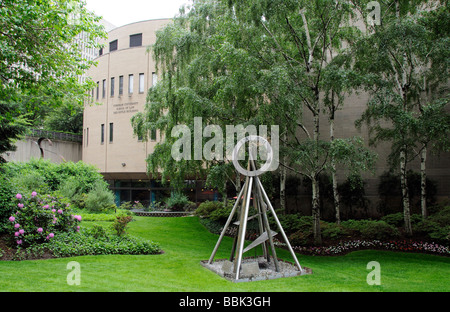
(352, 245)
(38, 218)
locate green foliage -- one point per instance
(41, 60)
(177, 201)
(206, 208)
(66, 118)
(84, 243)
(11, 127)
(370, 229)
(55, 175)
(6, 203)
(100, 198)
(120, 224)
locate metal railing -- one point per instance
(52, 135)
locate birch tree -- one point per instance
(398, 57)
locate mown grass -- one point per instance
(186, 242)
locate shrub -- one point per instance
(222, 213)
(83, 243)
(333, 231)
(97, 231)
(6, 204)
(100, 199)
(379, 230)
(37, 218)
(29, 181)
(394, 219)
(177, 201)
(120, 223)
(205, 209)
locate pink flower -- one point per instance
(60, 211)
(51, 235)
(33, 194)
(19, 242)
(76, 217)
(21, 231)
(16, 234)
(46, 207)
(20, 205)
(12, 219)
(40, 230)
(17, 225)
(19, 196)
(53, 210)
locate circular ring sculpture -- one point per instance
(252, 154)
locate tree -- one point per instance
(402, 60)
(41, 60)
(66, 118)
(253, 63)
(302, 39)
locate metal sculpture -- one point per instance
(262, 206)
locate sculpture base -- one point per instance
(254, 269)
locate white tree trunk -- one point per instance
(423, 182)
(316, 211)
(283, 176)
(334, 178)
(405, 193)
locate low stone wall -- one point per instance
(162, 214)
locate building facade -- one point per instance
(124, 73)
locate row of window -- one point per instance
(111, 134)
(135, 41)
(121, 80)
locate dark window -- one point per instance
(111, 132)
(102, 137)
(113, 80)
(98, 89)
(87, 137)
(136, 40)
(104, 88)
(113, 45)
(100, 52)
(120, 85)
(153, 134)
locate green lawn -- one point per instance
(185, 242)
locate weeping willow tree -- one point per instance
(205, 72)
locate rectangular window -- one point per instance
(120, 85)
(104, 88)
(136, 40)
(98, 89)
(141, 83)
(113, 46)
(87, 137)
(113, 80)
(100, 52)
(155, 79)
(111, 132)
(130, 84)
(102, 136)
(153, 135)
